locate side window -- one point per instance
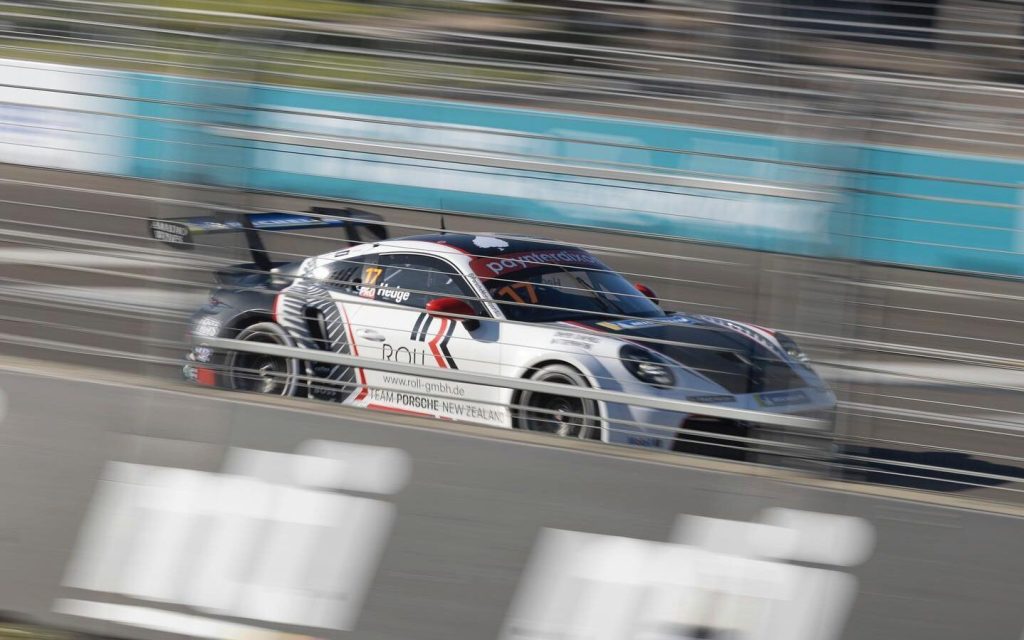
(413, 280)
(348, 276)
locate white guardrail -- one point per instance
(682, 406)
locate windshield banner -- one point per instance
(494, 266)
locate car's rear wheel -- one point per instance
(261, 373)
(562, 414)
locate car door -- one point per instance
(391, 325)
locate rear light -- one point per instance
(206, 377)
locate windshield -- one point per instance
(554, 292)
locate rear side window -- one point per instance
(348, 276)
(412, 280)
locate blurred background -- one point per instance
(848, 171)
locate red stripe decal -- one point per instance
(277, 307)
(348, 329)
(581, 325)
(433, 344)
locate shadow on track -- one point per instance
(946, 471)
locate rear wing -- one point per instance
(360, 226)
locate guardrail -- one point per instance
(603, 395)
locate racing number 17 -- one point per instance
(509, 291)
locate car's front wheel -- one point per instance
(261, 373)
(562, 414)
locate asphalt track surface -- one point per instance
(471, 511)
(82, 283)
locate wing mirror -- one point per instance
(647, 291)
(454, 309)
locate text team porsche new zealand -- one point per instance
(506, 306)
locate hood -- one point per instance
(730, 354)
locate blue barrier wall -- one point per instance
(744, 219)
(773, 193)
(939, 210)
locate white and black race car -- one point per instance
(503, 306)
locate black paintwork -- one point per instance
(245, 296)
(730, 359)
(464, 242)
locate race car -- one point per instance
(497, 305)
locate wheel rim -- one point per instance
(564, 416)
(261, 373)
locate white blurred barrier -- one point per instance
(270, 539)
(716, 579)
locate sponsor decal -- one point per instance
(492, 267)
(272, 539)
(419, 328)
(423, 322)
(709, 399)
(202, 354)
(571, 339)
(283, 219)
(408, 400)
(452, 408)
(207, 327)
(473, 412)
(169, 232)
(403, 355)
(640, 323)
(438, 345)
(782, 398)
(484, 297)
(748, 332)
(394, 294)
(489, 242)
(432, 387)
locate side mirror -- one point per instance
(647, 291)
(454, 309)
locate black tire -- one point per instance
(563, 415)
(272, 375)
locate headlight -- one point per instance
(792, 348)
(646, 366)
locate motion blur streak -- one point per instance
(848, 173)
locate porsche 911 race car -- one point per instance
(507, 306)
